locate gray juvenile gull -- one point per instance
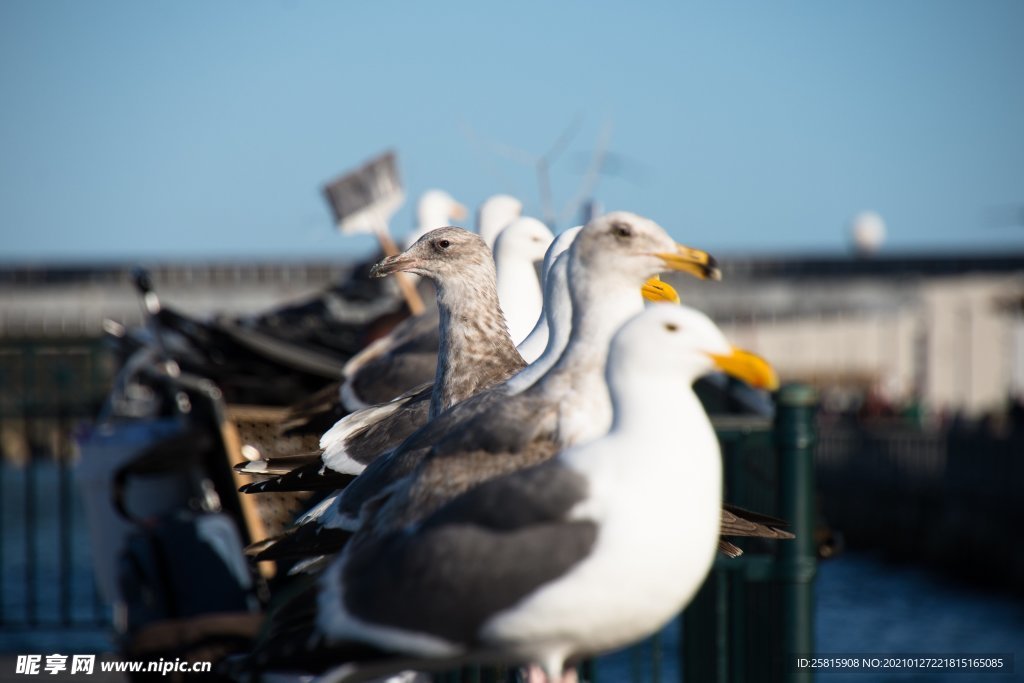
(588, 552)
(501, 430)
(475, 351)
(393, 364)
(413, 342)
(367, 432)
(358, 438)
(407, 358)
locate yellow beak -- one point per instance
(698, 263)
(656, 291)
(458, 212)
(748, 367)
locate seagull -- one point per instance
(407, 357)
(524, 421)
(471, 356)
(556, 296)
(588, 552)
(517, 250)
(404, 360)
(435, 209)
(415, 336)
(496, 212)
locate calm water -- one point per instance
(867, 605)
(864, 604)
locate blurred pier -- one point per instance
(71, 300)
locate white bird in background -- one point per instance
(586, 553)
(435, 209)
(494, 214)
(519, 247)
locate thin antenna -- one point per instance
(482, 145)
(593, 173)
(544, 169)
(541, 164)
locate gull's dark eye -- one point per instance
(671, 327)
(622, 229)
(443, 244)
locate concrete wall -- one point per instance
(945, 338)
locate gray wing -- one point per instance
(480, 554)
(315, 413)
(402, 460)
(408, 359)
(364, 445)
(368, 443)
(511, 425)
(512, 435)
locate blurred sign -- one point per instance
(366, 198)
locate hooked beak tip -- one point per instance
(387, 266)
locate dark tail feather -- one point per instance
(307, 477)
(739, 522)
(728, 549)
(299, 543)
(278, 466)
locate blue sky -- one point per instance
(204, 129)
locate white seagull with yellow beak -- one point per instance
(588, 552)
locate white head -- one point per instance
(436, 209)
(526, 238)
(494, 214)
(680, 344)
(624, 247)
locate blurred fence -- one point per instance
(49, 389)
(948, 499)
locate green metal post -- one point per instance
(794, 438)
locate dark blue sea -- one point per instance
(863, 603)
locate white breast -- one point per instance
(656, 542)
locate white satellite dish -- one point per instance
(867, 233)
